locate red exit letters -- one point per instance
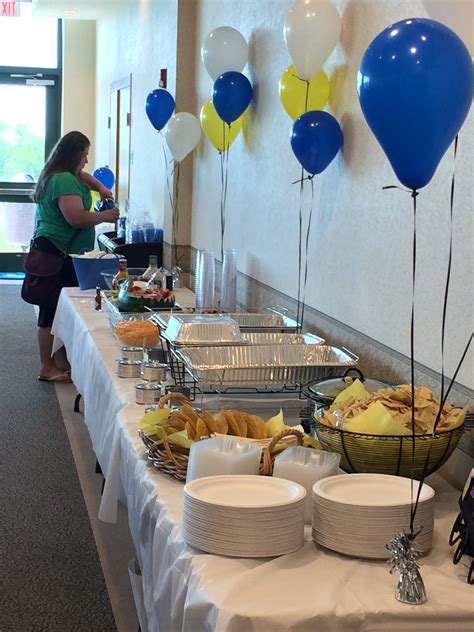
(10, 8)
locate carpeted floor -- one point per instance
(50, 574)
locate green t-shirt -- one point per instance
(51, 223)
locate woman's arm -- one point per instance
(74, 213)
(96, 185)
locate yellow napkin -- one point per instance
(460, 419)
(180, 438)
(356, 389)
(150, 422)
(376, 420)
(275, 425)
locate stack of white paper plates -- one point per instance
(358, 514)
(244, 516)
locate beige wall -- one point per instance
(359, 259)
(78, 101)
(137, 39)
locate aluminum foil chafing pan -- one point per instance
(265, 364)
(202, 331)
(277, 338)
(247, 322)
(265, 322)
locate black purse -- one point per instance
(42, 284)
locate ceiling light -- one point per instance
(70, 11)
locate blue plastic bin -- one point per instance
(88, 271)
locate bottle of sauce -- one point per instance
(98, 299)
(152, 268)
(122, 275)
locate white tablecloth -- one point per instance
(184, 589)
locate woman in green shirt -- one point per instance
(64, 224)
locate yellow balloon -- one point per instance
(292, 91)
(216, 130)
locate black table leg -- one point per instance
(76, 403)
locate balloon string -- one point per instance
(306, 254)
(165, 159)
(448, 275)
(226, 173)
(306, 97)
(303, 179)
(224, 156)
(300, 252)
(412, 360)
(444, 396)
(175, 212)
(414, 194)
(442, 404)
(221, 157)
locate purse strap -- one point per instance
(71, 241)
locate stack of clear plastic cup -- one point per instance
(306, 466)
(205, 280)
(229, 281)
(223, 455)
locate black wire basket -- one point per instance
(388, 454)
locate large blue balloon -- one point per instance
(316, 138)
(159, 107)
(105, 176)
(232, 95)
(415, 90)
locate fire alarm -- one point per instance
(163, 78)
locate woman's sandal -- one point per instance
(59, 378)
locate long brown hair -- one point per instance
(65, 156)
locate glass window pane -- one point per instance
(22, 132)
(17, 224)
(28, 41)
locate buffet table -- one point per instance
(185, 589)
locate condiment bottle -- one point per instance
(152, 268)
(122, 275)
(98, 299)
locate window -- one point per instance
(30, 75)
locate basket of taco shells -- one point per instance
(169, 432)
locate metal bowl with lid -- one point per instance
(325, 391)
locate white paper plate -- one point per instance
(245, 491)
(369, 490)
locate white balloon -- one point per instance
(457, 14)
(312, 30)
(224, 49)
(182, 134)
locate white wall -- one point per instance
(360, 246)
(78, 102)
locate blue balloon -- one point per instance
(159, 107)
(105, 176)
(415, 90)
(316, 138)
(232, 95)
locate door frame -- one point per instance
(114, 138)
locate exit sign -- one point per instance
(9, 9)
